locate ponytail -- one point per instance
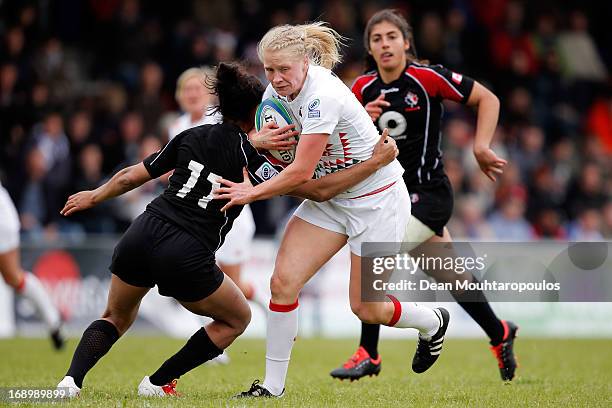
(239, 92)
(317, 41)
(322, 44)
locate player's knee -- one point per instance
(243, 321)
(283, 289)
(365, 313)
(14, 280)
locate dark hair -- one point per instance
(394, 17)
(238, 91)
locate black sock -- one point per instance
(369, 338)
(198, 350)
(476, 305)
(97, 339)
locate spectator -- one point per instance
(579, 53)
(89, 177)
(470, 222)
(150, 101)
(33, 206)
(587, 192)
(509, 224)
(50, 140)
(587, 226)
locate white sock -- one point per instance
(281, 332)
(34, 291)
(410, 315)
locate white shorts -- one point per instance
(9, 223)
(237, 245)
(380, 217)
(416, 233)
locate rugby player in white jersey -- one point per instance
(337, 133)
(24, 283)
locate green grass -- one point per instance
(555, 373)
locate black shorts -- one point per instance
(156, 252)
(432, 203)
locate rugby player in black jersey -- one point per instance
(406, 96)
(172, 243)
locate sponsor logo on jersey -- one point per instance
(411, 99)
(266, 171)
(390, 90)
(313, 112)
(457, 78)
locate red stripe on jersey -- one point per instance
(360, 83)
(435, 84)
(378, 190)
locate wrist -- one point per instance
(373, 163)
(95, 197)
(254, 195)
(254, 142)
(480, 148)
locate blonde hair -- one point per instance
(319, 42)
(201, 73)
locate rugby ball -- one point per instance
(277, 111)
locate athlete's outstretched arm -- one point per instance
(122, 182)
(487, 105)
(333, 184)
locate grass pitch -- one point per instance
(555, 373)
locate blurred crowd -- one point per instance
(87, 87)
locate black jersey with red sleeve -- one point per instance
(199, 157)
(415, 115)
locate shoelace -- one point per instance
(255, 389)
(170, 388)
(355, 358)
(423, 345)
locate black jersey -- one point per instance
(199, 156)
(415, 115)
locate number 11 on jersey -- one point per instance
(196, 170)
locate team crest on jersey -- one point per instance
(313, 112)
(456, 78)
(414, 198)
(266, 171)
(411, 99)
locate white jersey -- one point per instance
(9, 223)
(184, 122)
(326, 105)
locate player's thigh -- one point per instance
(9, 239)
(304, 249)
(10, 268)
(226, 304)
